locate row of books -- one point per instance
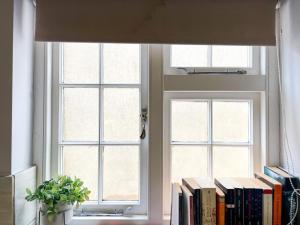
(264, 200)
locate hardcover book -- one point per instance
(267, 202)
(194, 188)
(188, 216)
(253, 201)
(277, 196)
(176, 207)
(226, 186)
(220, 206)
(288, 181)
(208, 201)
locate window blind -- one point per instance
(234, 22)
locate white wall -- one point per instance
(290, 49)
(16, 78)
(22, 107)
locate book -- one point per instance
(226, 186)
(176, 205)
(208, 201)
(267, 202)
(220, 206)
(194, 188)
(188, 217)
(253, 201)
(288, 181)
(238, 201)
(277, 196)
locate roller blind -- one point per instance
(237, 22)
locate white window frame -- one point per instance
(254, 132)
(127, 207)
(266, 86)
(254, 70)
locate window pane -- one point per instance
(121, 63)
(188, 161)
(231, 121)
(231, 56)
(121, 173)
(230, 161)
(189, 121)
(81, 63)
(189, 55)
(82, 162)
(121, 114)
(80, 114)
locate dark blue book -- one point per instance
(225, 184)
(288, 181)
(252, 201)
(258, 206)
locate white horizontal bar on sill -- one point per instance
(99, 143)
(99, 85)
(110, 220)
(249, 83)
(213, 143)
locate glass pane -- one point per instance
(231, 121)
(121, 114)
(188, 161)
(82, 162)
(189, 121)
(121, 63)
(230, 161)
(80, 114)
(81, 63)
(121, 173)
(189, 55)
(231, 56)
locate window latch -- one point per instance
(144, 118)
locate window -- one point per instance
(190, 59)
(211, 135)
(99, 92)
(93, 112)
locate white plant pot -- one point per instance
(64, 216)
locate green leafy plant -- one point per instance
(58, 191)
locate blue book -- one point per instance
(285, 179)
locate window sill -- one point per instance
(107, 220)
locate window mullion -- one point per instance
(100, 147)
(210, 141)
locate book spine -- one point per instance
(259, 207)
(253, 207)
(191, 212)
(267, 207)
(230, 206)
(277, 203)
(208, 207)
(220, 211)
(247, 202)
(180, 210)
(195, 209)
(287, 210)
(239, 206)
(229, 214)
(198, 207)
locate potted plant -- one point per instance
(57, 197)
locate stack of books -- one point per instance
(264, 200)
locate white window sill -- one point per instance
(107, 220)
